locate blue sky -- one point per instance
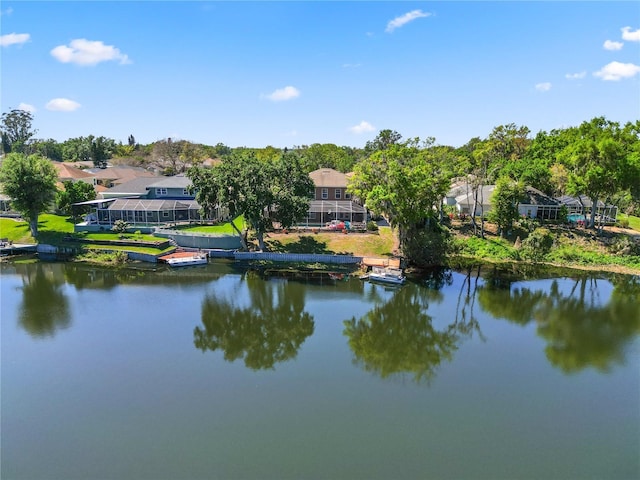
(295, 73)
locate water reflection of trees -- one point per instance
(580, 329)
(399, 336)
(269, 331)
(44, 308)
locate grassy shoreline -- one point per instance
(573, 248)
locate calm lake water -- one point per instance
(215, 372)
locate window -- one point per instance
(312, 215)
(347, 196)
(325, 193)
(165, 214)
(185, 191)
(338, 193)
(161, 191)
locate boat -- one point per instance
(186, 261)
(388, 275)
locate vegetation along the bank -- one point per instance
(403, 181)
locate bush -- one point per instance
(537, 245)
(372, 226)
(623, 222)
(119, 226)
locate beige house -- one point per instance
(332, 201)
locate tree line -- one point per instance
(404, 180)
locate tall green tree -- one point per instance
(16, 130)
(74, 192)
(89, 149)
(383, 141)
(405, 184)
(30, 182)
(504, 204)
(261, 191)
(601, 162)
(48, 148)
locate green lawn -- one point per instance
(55, 230)
(634, 222)
(223, 228)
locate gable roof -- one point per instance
(136, 187)
(533, 196)
(328, 177)
(484, 195)
(69, 172)
(177, 181)
(121, 173)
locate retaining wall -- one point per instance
(201, 240)
(297, 257)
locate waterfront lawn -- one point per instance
(378, 244)
(222, 228)
(56, 230)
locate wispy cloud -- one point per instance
(86, 52)
(404, 19)
(62, 105)
(26, 107)
(615, 71)
(543, 87)
(611, 45)
(8, 11)
(629, 35)
(575, 76)
(282, 94)
(362, 127)
(351, 65)
(14, 39)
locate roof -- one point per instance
(153, 205)
(136, 186)
(328, 177)
(66, 171)
(484, 195)
(177, 181)
(581, 200)
(114, 173)
(96, 202)
(533, 196)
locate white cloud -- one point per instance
(86, 52)
(14, 39)
(282, 94)
(362, 127)
(351, 65)
(8, 11)
(615, 71)
(630, 36)
(575, 76)
(543, 87)
(26, 107)
(62, 105)
(611, 45)
(404, 19)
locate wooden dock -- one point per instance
(381, 262)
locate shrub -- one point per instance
(119, 226)
(624, 222)
(537, 245)
(372, 226)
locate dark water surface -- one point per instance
(213, 372)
